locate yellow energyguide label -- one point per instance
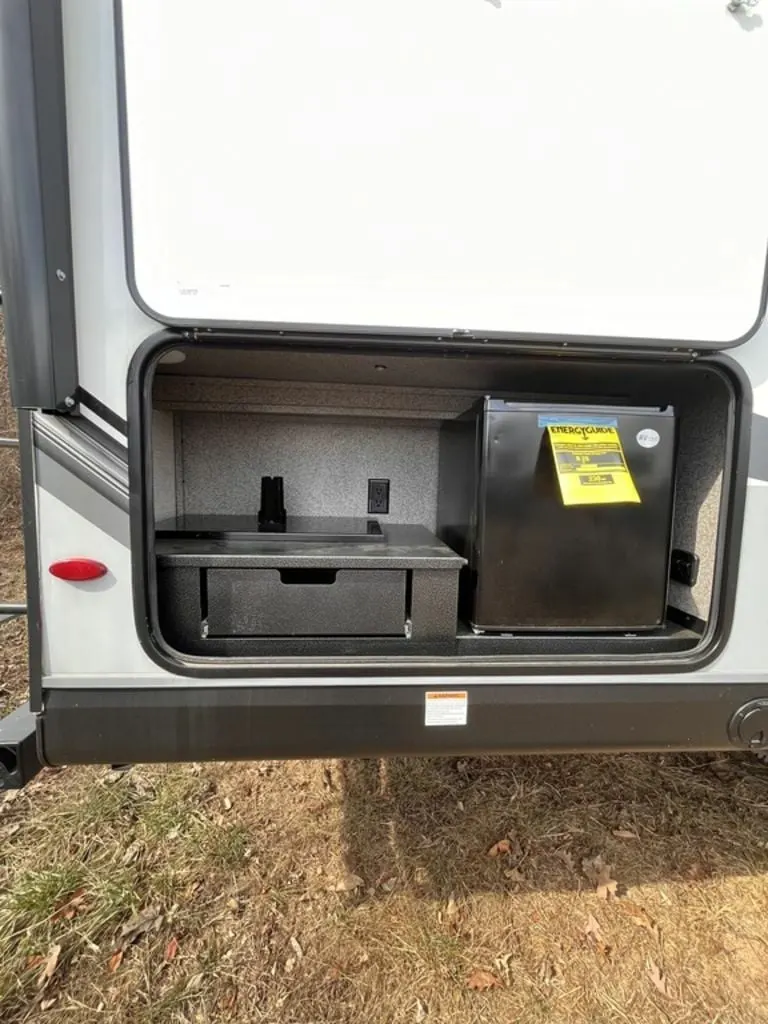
(591, 466)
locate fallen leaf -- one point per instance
(567, 858)
(607, 890)
(194, 982)
(420, 1011)
(46, 1004)
(138, 925)
(501, 963)
(659, 979)
(640, 916)
(697, 871)
(171, 949)
(348, 883)
(592, 928)
(227, 803)
(451, 908)
(593, 867)
(132, 852)
(548, 972)
(502, 848)
(228, 1000)
(599, 874)
(388, 884)
(296, 947)
(624, 833)
(50, 966)
(115, 960)
(514, 875)
(481, 981)
(449, 916)
(449, 912)
(594, 935)
(70, 907)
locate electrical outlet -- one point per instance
(378, 497)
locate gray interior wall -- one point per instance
(702, 429)
(164, 463)
(326, 464)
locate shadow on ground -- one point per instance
(430, 823)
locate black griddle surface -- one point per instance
(338, 529)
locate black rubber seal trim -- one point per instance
(83, 397)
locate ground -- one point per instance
(460, 891)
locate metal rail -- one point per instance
(8, 609)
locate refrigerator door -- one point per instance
(544, 565)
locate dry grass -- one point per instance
(243, 865)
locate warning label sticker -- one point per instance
(445, 708)
(590, 465)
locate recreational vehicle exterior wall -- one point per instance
(245, 243)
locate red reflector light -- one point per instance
(78, 569)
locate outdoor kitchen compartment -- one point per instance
(555, 584)
(536, 563)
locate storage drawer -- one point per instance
(306, 602)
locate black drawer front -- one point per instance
(306, 602)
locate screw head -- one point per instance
(69, 402)
(61, 275)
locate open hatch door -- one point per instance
(586, 170)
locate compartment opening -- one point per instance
(498, 585)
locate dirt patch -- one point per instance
(569, 890)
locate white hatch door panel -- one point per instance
(545, 167)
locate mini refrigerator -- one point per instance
(535, 563)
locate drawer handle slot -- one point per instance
(313, 577)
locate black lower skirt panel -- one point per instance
(198, 722)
